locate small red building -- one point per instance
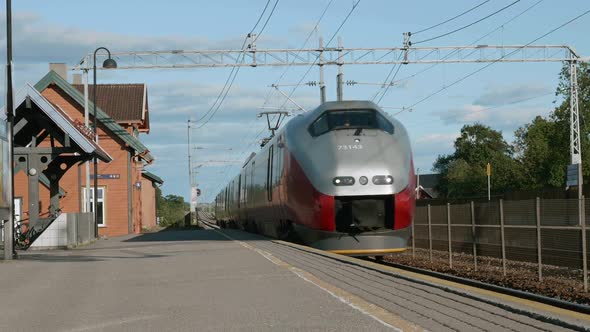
(126, 204)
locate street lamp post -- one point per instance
(109, 64)
(9, 252)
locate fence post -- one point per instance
(473, 237)
(539, 258)
(413, 240)
(449, 235)
(584, 249)
(502, 237)
(429, 234)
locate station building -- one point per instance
(126, 193)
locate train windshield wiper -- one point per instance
(358, 131)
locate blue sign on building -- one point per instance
(107, 176)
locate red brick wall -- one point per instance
(116, 204)
(148, 203)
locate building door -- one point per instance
(100, 203)
(18, 208)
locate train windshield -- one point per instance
(350, 119)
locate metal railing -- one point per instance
(548, 231)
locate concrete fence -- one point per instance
(548, 231)
(68, 230)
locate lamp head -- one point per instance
(109, 64)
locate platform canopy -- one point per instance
(28, 98)
(47, 143)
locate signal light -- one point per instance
(343, 181)
(382, 179)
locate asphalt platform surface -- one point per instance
(211, 280)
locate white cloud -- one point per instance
(512, 93)
(498, 118)
(37, 40)
(436, 138)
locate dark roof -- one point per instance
(153, 177)
(57, 116)
(122, 102)
(54, 78)
(429, 180)
(430, 192)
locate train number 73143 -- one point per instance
(350, 147)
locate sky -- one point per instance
(504, 96)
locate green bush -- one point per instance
(171, 209)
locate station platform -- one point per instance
(228, 280)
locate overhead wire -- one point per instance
(234, 72)
(266, 22)
(255, 137)
(332, 38)
(317, 57)
(495, 61)
(232, 76)
(237, 60)
(468, 25)
(385, 85)
(299, 50)
(266, 99)
(307, 39)
(472, 43)
(451, 19)
(354, 6)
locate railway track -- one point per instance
(207, 220)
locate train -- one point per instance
(338, 178)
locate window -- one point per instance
(269, 173)
(240, 191)
(320, 126)
(100, 202)
(349, 119)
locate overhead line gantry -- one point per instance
(340, 56)
(257, 57)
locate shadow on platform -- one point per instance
(167, 235)
(52, 257)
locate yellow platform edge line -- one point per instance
(503, 297)
(366, 251)
(383, 316)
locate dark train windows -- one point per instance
(240, 191)
(269, 169)
(320, 126)
(349, 119)
(384, 124)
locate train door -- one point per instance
(272, 214)
(254, 183)
(239, 212)
(269, 178)
(278, 173)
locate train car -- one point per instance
(338, 178)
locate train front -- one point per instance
(359, 162)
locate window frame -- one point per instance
(100, 200)
(380, 120)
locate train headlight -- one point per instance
(363, 180)
(382, 179)
(343, 181)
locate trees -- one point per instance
(543, 146)
(171, 209)
(538, 158)
(464, 171)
